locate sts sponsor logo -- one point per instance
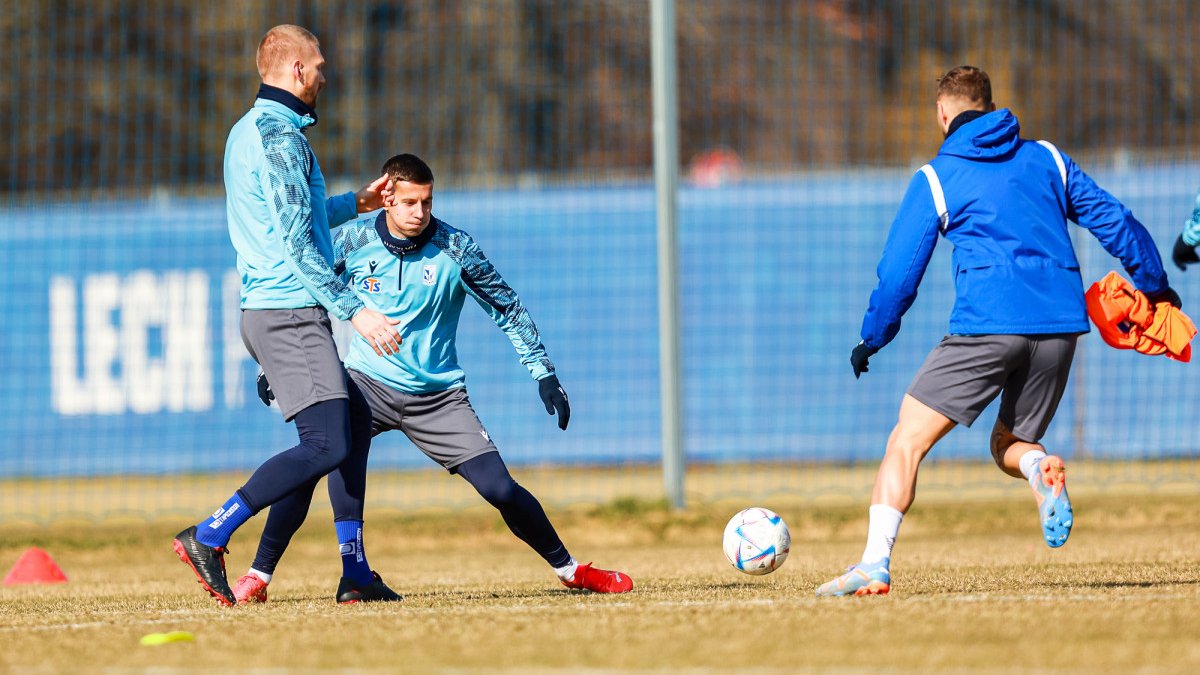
(370, 285)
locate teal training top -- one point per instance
(279, 218)
(422, 282)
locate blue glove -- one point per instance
(264, 389)
(555, 399)
(858, 358)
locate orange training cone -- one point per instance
(35, 566)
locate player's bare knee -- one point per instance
(910, 447)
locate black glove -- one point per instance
(264, 389)
(1167, 294)
(1183, 254)
(555, 399)
(858, 358)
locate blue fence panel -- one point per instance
(121, 351)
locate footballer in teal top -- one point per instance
(279, 217)
(422, 281)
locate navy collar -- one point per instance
(401, 246)
(266, 91)
(962, 118)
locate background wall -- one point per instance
(801, 124)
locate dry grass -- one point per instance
(975, 590)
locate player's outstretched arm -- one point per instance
(483, 282)
(1115, 227)
(906, 254)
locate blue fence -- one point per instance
(121, 354)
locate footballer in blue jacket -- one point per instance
(418, 270)
(1004, 203)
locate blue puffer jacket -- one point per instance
(1006, 205)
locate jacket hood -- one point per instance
(996, 134)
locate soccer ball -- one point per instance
(756, 541)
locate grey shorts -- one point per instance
(295, 348)
(442, 424)
(965, 373)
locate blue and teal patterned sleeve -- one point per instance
(500, 301)
(285, 185)
(1191, 228)
(340, 253)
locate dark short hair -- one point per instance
(409, 168)
(967, 82)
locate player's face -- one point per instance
(412, 208)
(310, 75)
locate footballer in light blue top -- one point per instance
(423, 281)
(279, 217)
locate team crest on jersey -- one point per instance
(371, 285)
(428, 273)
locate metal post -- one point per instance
(666, 178)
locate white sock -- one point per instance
(881, 532)
(1029, 464)
(261, 575)
(567, 572)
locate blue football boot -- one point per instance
(861, 579)
(1054, 507)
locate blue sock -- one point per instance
(354, 559)
(219, 527)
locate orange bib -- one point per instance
(1126, 319)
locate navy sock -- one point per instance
(350, 544)
(220, 526)
(521, 510)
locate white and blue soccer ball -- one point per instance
(756, 541)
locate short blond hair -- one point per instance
(281, 45)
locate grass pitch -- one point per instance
(974, 590)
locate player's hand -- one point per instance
(376, 195)
(555, 398)
(859, 357)
(264, 389)
(1167, 294)
(378, 330)
(1183, 255)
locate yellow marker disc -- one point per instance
(164, 638)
